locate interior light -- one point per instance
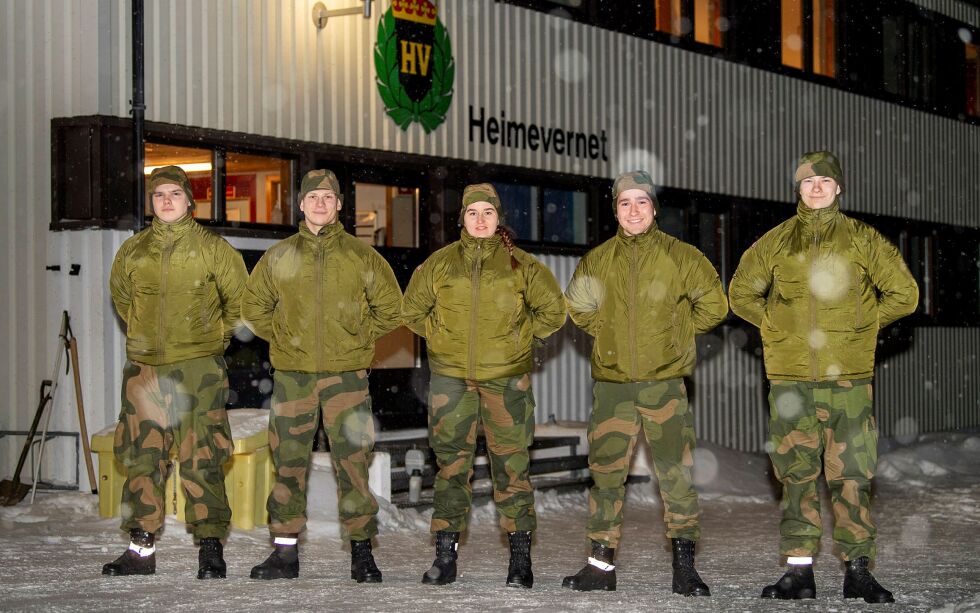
(194, 167)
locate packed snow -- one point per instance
(927, 507)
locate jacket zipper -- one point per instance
(168, 245)
(814, 252)
(632, 314)
(318, 307)
(474, 307)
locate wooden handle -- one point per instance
(82, 429)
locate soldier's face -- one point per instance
(634, 211)
(170, 202)
(818, 192)
(320, 207)
(480, 220)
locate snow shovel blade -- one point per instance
(12, 492)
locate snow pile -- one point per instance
(64, 507)
(933, 458)
(247, 422)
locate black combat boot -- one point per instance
(362, 566)
(282, 563)
(131, 562)
(598, 574)
(860, 583)
(687, 582)
(210, 561)
(519, 572)
(796, 584)
(443, 570)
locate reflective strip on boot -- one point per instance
(143, 552)
(601, 565)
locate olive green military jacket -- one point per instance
(178, 287)
(643, 298)
(321, 301)
(820, 286)
(478, 315)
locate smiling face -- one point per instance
(634, 211)
(320, 206)
(170, 202)
(818, 192)
(480, 220)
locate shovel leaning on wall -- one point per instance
(12, 490)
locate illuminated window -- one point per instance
(195, 162)
(824, 42)
(818, 54)
(792, 22)
(387, 215)
(257, 189)
(972, 80)
(670, 18)
(708, 20)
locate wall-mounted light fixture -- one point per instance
(321, 14)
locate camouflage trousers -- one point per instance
(828, 424)
(298, 401)
(506, 409)
(182, 402)
(618, 411)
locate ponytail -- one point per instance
(508, 242)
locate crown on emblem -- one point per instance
(421, 11)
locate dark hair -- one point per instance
(508, 242)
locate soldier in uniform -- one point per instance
(643, 295)
(321, 298)
(177, 286)
(480, 302)
(820, 286)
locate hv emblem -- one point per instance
(413, 60)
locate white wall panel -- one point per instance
(696, 122)
(59, 60)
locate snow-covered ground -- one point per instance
(927, 509)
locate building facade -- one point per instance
(547, 99)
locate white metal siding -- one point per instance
(57, 62)
(697, 122)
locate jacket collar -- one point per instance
(326, 233)
(174, 229)
(641, 240)
(817, 219)
(469, 243)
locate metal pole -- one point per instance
(138, 114)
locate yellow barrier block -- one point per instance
(248, 475)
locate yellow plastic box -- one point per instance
(248, 476)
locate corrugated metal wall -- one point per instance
(695, 121)
(961, 11)
(562, 378)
